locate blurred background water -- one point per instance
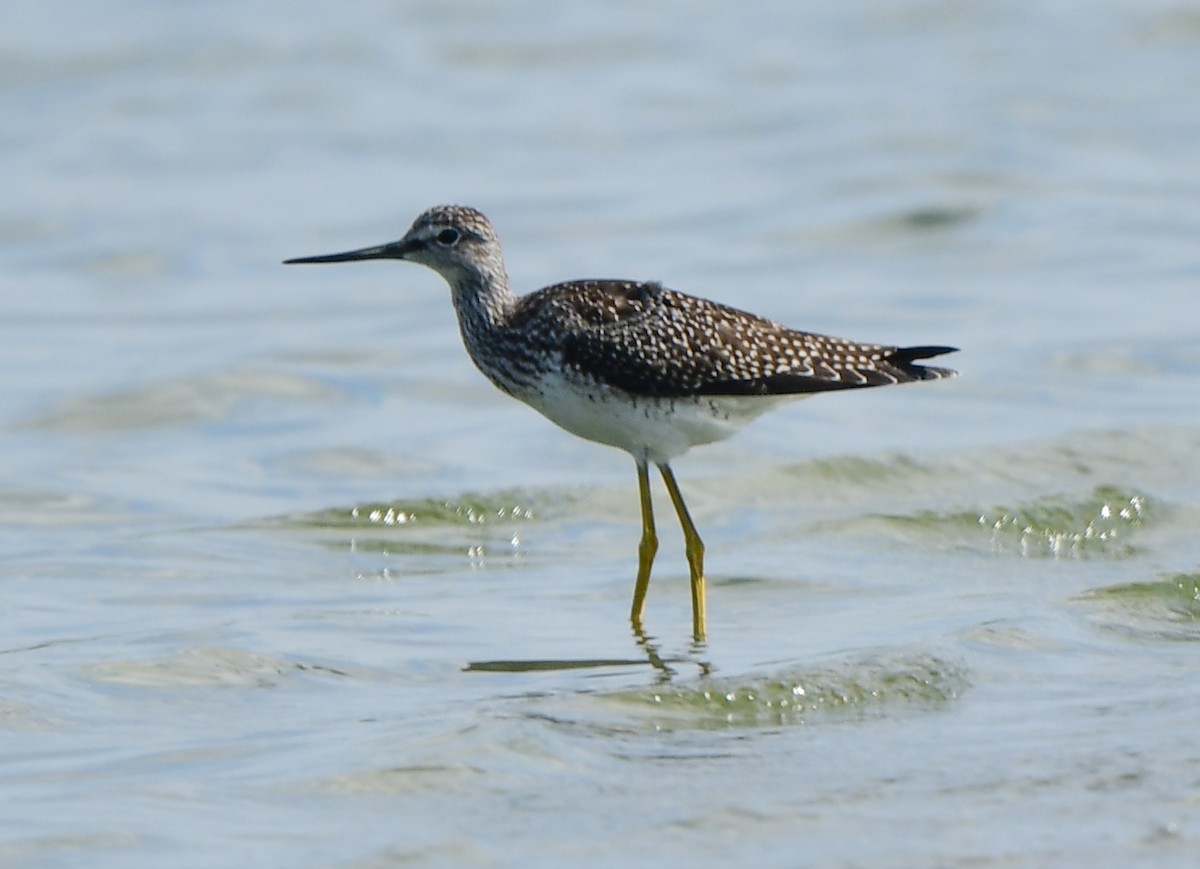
(286, 582)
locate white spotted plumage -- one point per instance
(633, 364)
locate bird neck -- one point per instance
(483, 302)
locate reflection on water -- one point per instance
(540, 666)
(666, 667)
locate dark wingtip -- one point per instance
(905, 358)
(903, 355)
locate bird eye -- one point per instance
(448, 237)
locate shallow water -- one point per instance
(288, 583)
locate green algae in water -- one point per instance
(474, 524)
(462, 511)
(862, 471)
(458, 511)
(1163, 609)
(1098, 526)
(857, 689)
(1095, 526)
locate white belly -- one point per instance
(652, 429)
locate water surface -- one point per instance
(287, 582)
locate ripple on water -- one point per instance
(477, 524)
(1167, 608)
(207, 397)
(1100, 525)
(855, 688)
(206, 666)
(463, 510)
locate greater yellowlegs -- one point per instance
(633, 364)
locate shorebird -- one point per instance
(633, 364)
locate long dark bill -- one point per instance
(391, 250)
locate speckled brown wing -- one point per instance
(648, 340)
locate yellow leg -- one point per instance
(646, 549)
(693, 546)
